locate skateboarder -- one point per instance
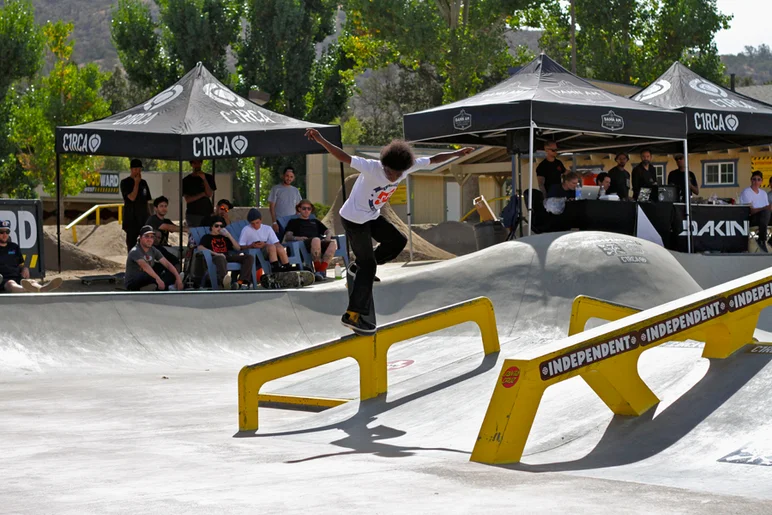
(362, 220)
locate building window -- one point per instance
(719, 173)
(659, 170)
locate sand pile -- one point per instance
(73, 258)
(454, 237)
(422, 249)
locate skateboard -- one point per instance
(282, 280)
(88, 280)
(350, 285)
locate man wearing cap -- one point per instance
(259, 236)
(222, 209)
(620, 178)
(136, 196)
(550, 171)
(14, 276)
(163, 226)
(678, 177)
(222, 245)
(283, 197)
(198, 189)
(146, 265)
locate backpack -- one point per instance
(511, 214)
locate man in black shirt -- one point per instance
(198, 189)
(223, 244)
(14, 276)
(163, 225)
(677, 178)
(644, 175)
(311, 231)
(136, 195)
(549, 171)
(620, 178)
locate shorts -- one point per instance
(16, 279)
(325, 244)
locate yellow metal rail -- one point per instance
(97, 208)
(370, 353)
(606, 357)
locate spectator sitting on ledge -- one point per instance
(146, 265)
(15, 276)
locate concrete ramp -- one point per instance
(127, 402)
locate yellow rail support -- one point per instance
(370, 353)
(97, 208)
(606, 357)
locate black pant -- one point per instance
(132, 228)
(144, 280)
(762, 220)
(360, 238)
(171, 258)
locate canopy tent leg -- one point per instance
(214, 172)
(58, 215)
(517, 191)
(409, 220)
(257, 183)
(687, 198)
(182, 217)
(530, 179)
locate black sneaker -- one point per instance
(353, 268)
(763, 246)
(320, 277)
(361, 326)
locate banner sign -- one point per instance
(714, 228)
(102, 182)
(26, 217)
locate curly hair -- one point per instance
(397, 155)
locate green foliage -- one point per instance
(244, 187)
(321, 210)
(753, 66)
(69, 95)
(21, 43)
(122, 94)
(632, 41)
(350, 129)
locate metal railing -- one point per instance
(370, 352)
(97, 208)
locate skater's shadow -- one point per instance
(362, 439)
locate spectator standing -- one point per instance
(198, 189)
(14, 275)
(550, 171)
(316, 237)
(644, 175)
(259, 236)
(283, 198)
(677, 178)
(146, 265)
(136, 195)
(620, 178)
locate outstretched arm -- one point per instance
(336, 152)
(444, 156)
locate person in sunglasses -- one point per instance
(222, 209)
(14, 275)
(145, 265)
(316, 237)
(225, 249)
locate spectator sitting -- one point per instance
(14, 276)
(162, 226)
(259, 236)
(567, 187)
(222, 210)
(760, 208)
(223, 244)
(310, 232)
(769, 194)
(604, 182)
(146, 265)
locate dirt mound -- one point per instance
(454, 237)
(422, 249)
(73, 258)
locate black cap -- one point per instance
(146, 229)
(226, 202)
(135, 163)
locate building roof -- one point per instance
(763, 93)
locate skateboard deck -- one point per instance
(282, 280)
(91, 279)
(350, 285)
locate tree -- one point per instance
(69, 95)
(461, 41)
(633, 41)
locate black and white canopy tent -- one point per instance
(196, 118)
(716, 118)
(544, 100)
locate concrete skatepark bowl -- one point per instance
(126, 403)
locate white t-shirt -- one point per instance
(372, 189)
(756, 200)
(250, 235)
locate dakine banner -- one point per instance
(714, 228)
(26, 217)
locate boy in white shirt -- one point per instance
(362, 220)
(259, 236)
(760, 208)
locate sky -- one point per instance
(747, 27)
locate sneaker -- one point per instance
(763, 246)
(353, 268)
(361, 326)
(320, 277)
(30, 286)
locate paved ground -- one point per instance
(127, 402)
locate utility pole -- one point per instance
(573, 38)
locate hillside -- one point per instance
(754, 66)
